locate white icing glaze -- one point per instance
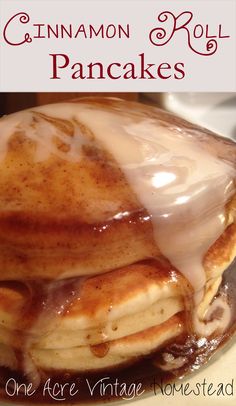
(183, 187)
(43, 133)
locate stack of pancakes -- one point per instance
(84, 283)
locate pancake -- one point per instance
(118, 352)
(110, 306)
(136, 306)
(121, 351)
(64, 150)
(63, 238)
(117, 223)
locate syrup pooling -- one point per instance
(44, 303)
(183, 186)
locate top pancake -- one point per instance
(69, 198)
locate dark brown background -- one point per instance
(11, 102)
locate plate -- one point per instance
(213, 385)
(218, 375)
